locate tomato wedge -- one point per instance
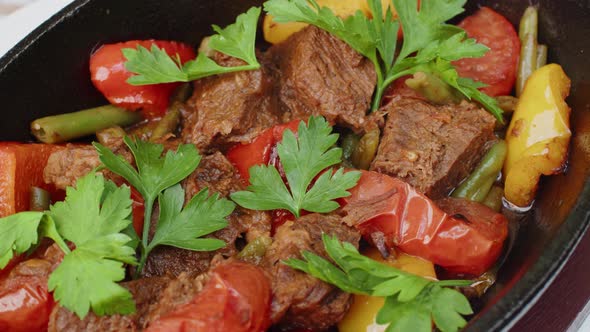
(25, 302)
(108, 73)
(261, 151)
(21, 167)
(498, 67)
(465, 238)
(236, 298)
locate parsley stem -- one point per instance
(200, 74)
(61, 244)
(454, 283)
(147, 217)
(381, 86)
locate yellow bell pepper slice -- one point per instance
(363, 310)
(275, 33)
(539, 134)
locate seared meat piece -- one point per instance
(66, 166)
(432, 147)
(300, 300)
(179, 291)
(153, 297)
(229, 108)
(219, 175)
(216, 173)
(145, 293)
(321, 75)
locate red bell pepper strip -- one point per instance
(25, 302)
(21, 167)
(261, 151)
(236, 298)
(109, 75)
(465, 238)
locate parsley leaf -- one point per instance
(158, 176)
(303, 159)
(182, 228)
(429, 44)
(411, 303)
(154, 172)
(19, 234)
(156, 66)
(92, 217)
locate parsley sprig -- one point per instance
(92, 217)
(411, 302)
(429, 44)
(96, 218)
(303, 158)
(156, 177)
(155, 66)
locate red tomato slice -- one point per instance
(138, 210)
(498, 67)
(25, 302)
(261, 151)
(236, 298)
(467, 239)
(108, 73)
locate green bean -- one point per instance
(168, 123)
(143, 130)
(65, 127)
(528, 49)
(182, 93)
(40, 199)
(366, 149)
(529, 23)
(477, 186)
(106, 136)
(494, 198)
(541, 55)
(349, 144)
(507, 103)
(255, 250)
(433, 88)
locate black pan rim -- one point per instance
(511, 307)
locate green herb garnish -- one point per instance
(154, 175)
(411, 302)
(92, 217)
(429, 44)
(303, 158)
(156, 66)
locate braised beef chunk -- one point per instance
(229, 108)
(178, 292)
(216, 173)
(432, 147)
(300, 300)
(219, 175)
(321, 75)
(66, 166)
(146, 292)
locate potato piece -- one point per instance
(275, 33)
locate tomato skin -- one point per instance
(137, 211)
(261, 151)
(25, 302)
(109, 76)
(498, 67)
(416, 225)
(236, 298)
